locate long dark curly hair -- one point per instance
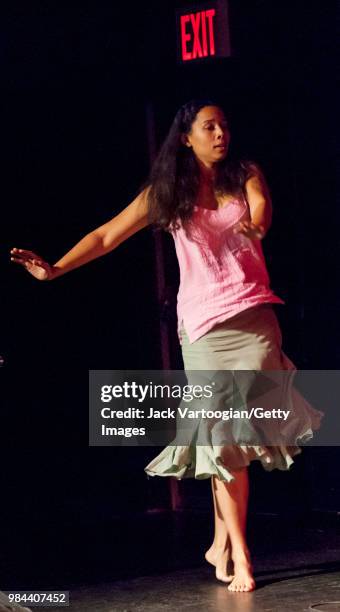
(174, 179)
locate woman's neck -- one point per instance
(207, 173)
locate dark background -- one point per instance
(75, 84)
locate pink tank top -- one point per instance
(221, 273)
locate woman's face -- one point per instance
(209, 135)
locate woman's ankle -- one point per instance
(241, 554)
(221, 545)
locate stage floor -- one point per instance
(296, 563)
(293, 589)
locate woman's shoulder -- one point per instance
(251, 168)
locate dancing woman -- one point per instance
(217, 211)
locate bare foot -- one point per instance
(223, 562)
(244, 580)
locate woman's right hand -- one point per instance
(34, 264)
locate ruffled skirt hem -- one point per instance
(202, 462)
(214, 458)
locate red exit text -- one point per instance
(197, 35)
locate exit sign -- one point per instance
(203, 31)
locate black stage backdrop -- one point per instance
(75, 84)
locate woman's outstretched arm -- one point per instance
(100, 241)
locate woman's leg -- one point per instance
(232, 504)
(219, 553)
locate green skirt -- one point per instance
(249, 341)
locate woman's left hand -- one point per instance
(249, 229)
